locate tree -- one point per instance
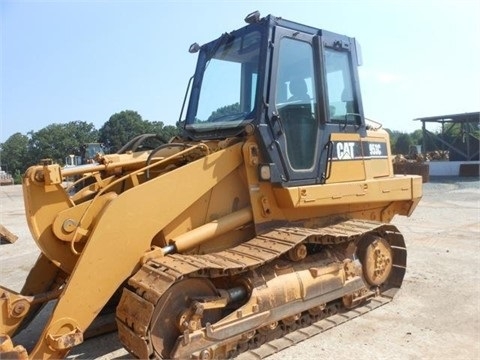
(120, 128)
(157, 127)
(417, 137)
(13, 154)
(56, 141)
(127, 124)
(225, 110)
(403, 143)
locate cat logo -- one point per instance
(346, 150)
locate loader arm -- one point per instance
(134, 217)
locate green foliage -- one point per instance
(456, 132)
(120, 128)
(13, 154)
(225, 110)
(403, 143)
(56, 141)
(125, 125)
(169, 131)
(400, 142)
(417, 137)
(17, 177)
(157, 127)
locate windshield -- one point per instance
(225, 93)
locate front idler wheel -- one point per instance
(376, 256)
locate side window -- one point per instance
(339, 85)
(295, 101)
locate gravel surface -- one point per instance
(434, 316)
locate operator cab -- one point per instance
(295, 84)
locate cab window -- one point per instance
(295, 102)
(341, 100)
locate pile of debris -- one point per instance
(6, 235)
(412, 164)
(438, 155)
(5, 178)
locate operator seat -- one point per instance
(300, 126)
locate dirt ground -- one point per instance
(436, 314)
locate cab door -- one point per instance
(294, 108)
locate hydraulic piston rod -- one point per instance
(217, 227)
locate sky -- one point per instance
(64, 61)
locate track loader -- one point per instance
(269, 213)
